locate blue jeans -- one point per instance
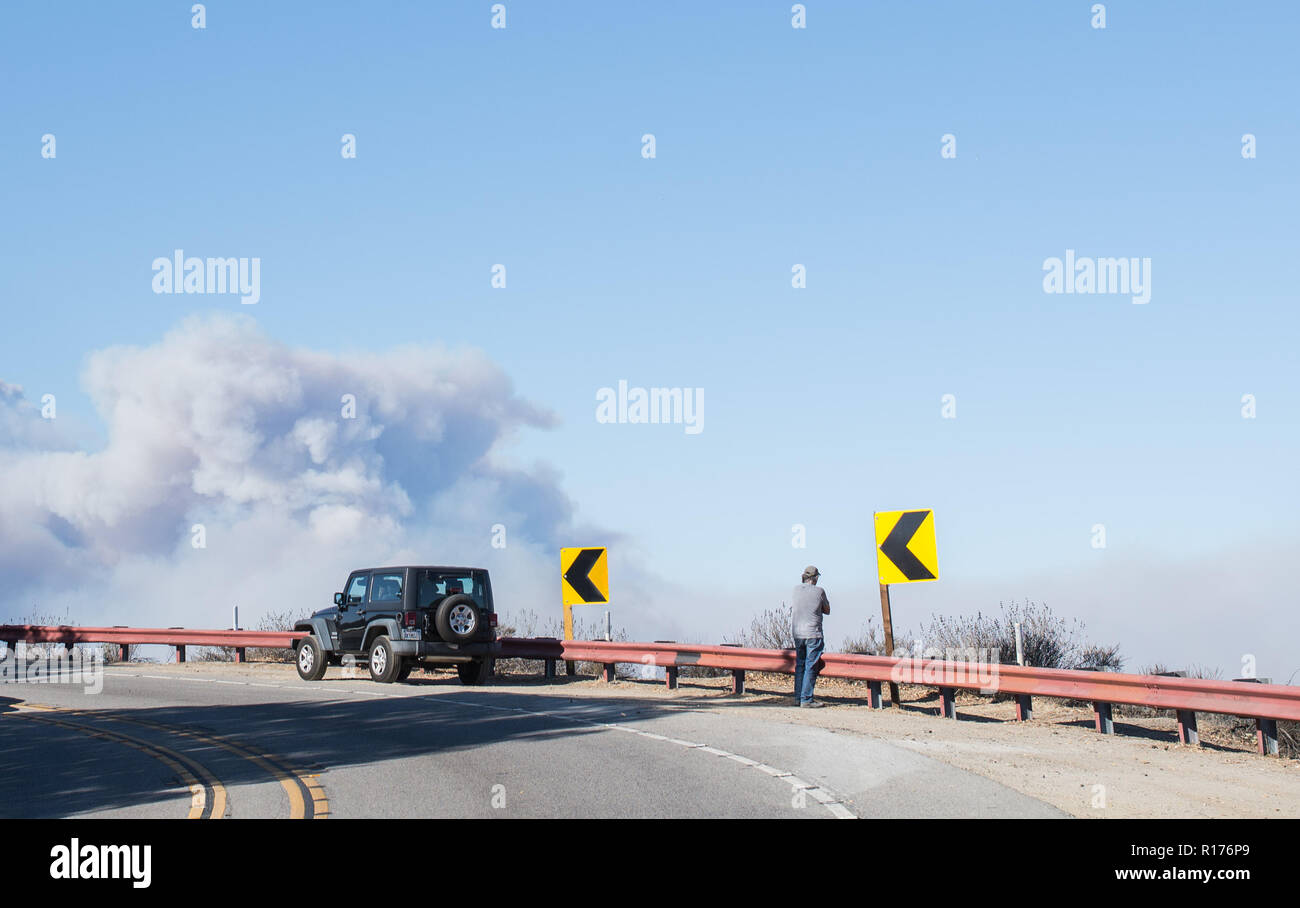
(807, 650)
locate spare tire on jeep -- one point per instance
(457, 619)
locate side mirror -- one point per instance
(338, 599)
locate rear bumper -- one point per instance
(443, 652)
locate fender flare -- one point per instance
(376, 628)
(319, 628)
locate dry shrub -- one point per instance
(1048, 641)
(275, 621)
(771, 629)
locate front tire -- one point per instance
(384, 664)
(475, 672)
(311, 659)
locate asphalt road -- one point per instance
(227, 742)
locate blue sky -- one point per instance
(775, 146)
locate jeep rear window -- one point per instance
(436, 585)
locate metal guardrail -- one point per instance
(1266, 703)
(179, 637)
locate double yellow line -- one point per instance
(207, 798)
(307, 798)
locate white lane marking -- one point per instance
(822, 795)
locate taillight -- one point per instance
(492, 619)
(409, 619)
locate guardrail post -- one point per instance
(549, 671)
(1024, 707)
(124, 652)
(239, 654)
(1265, 729)
(670, 671)
(570, 667)
(1187, 733)
(874, 699)
(1266, 736)
(948, 702)
(737, 674)
(1102, 718)
(180, 652)
(609, 671)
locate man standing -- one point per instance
(809, 604)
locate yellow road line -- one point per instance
(302, 789)
(293, 784)
(168, 757)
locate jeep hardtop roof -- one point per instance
(417, 567)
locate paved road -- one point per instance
(226, 741)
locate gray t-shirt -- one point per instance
(807, 601)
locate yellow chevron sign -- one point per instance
(584, 576)
(905, 546)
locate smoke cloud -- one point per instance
(297, 465)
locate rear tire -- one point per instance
(384, 664)
(405, 671)
(311, 659)
(475, 672)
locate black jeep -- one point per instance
(391, 618)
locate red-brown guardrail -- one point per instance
(1266, 703)
(179, 637)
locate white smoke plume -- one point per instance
(220, 426)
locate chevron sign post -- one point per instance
(905, 553)
(584, 580)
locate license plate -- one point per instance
(410, 633)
